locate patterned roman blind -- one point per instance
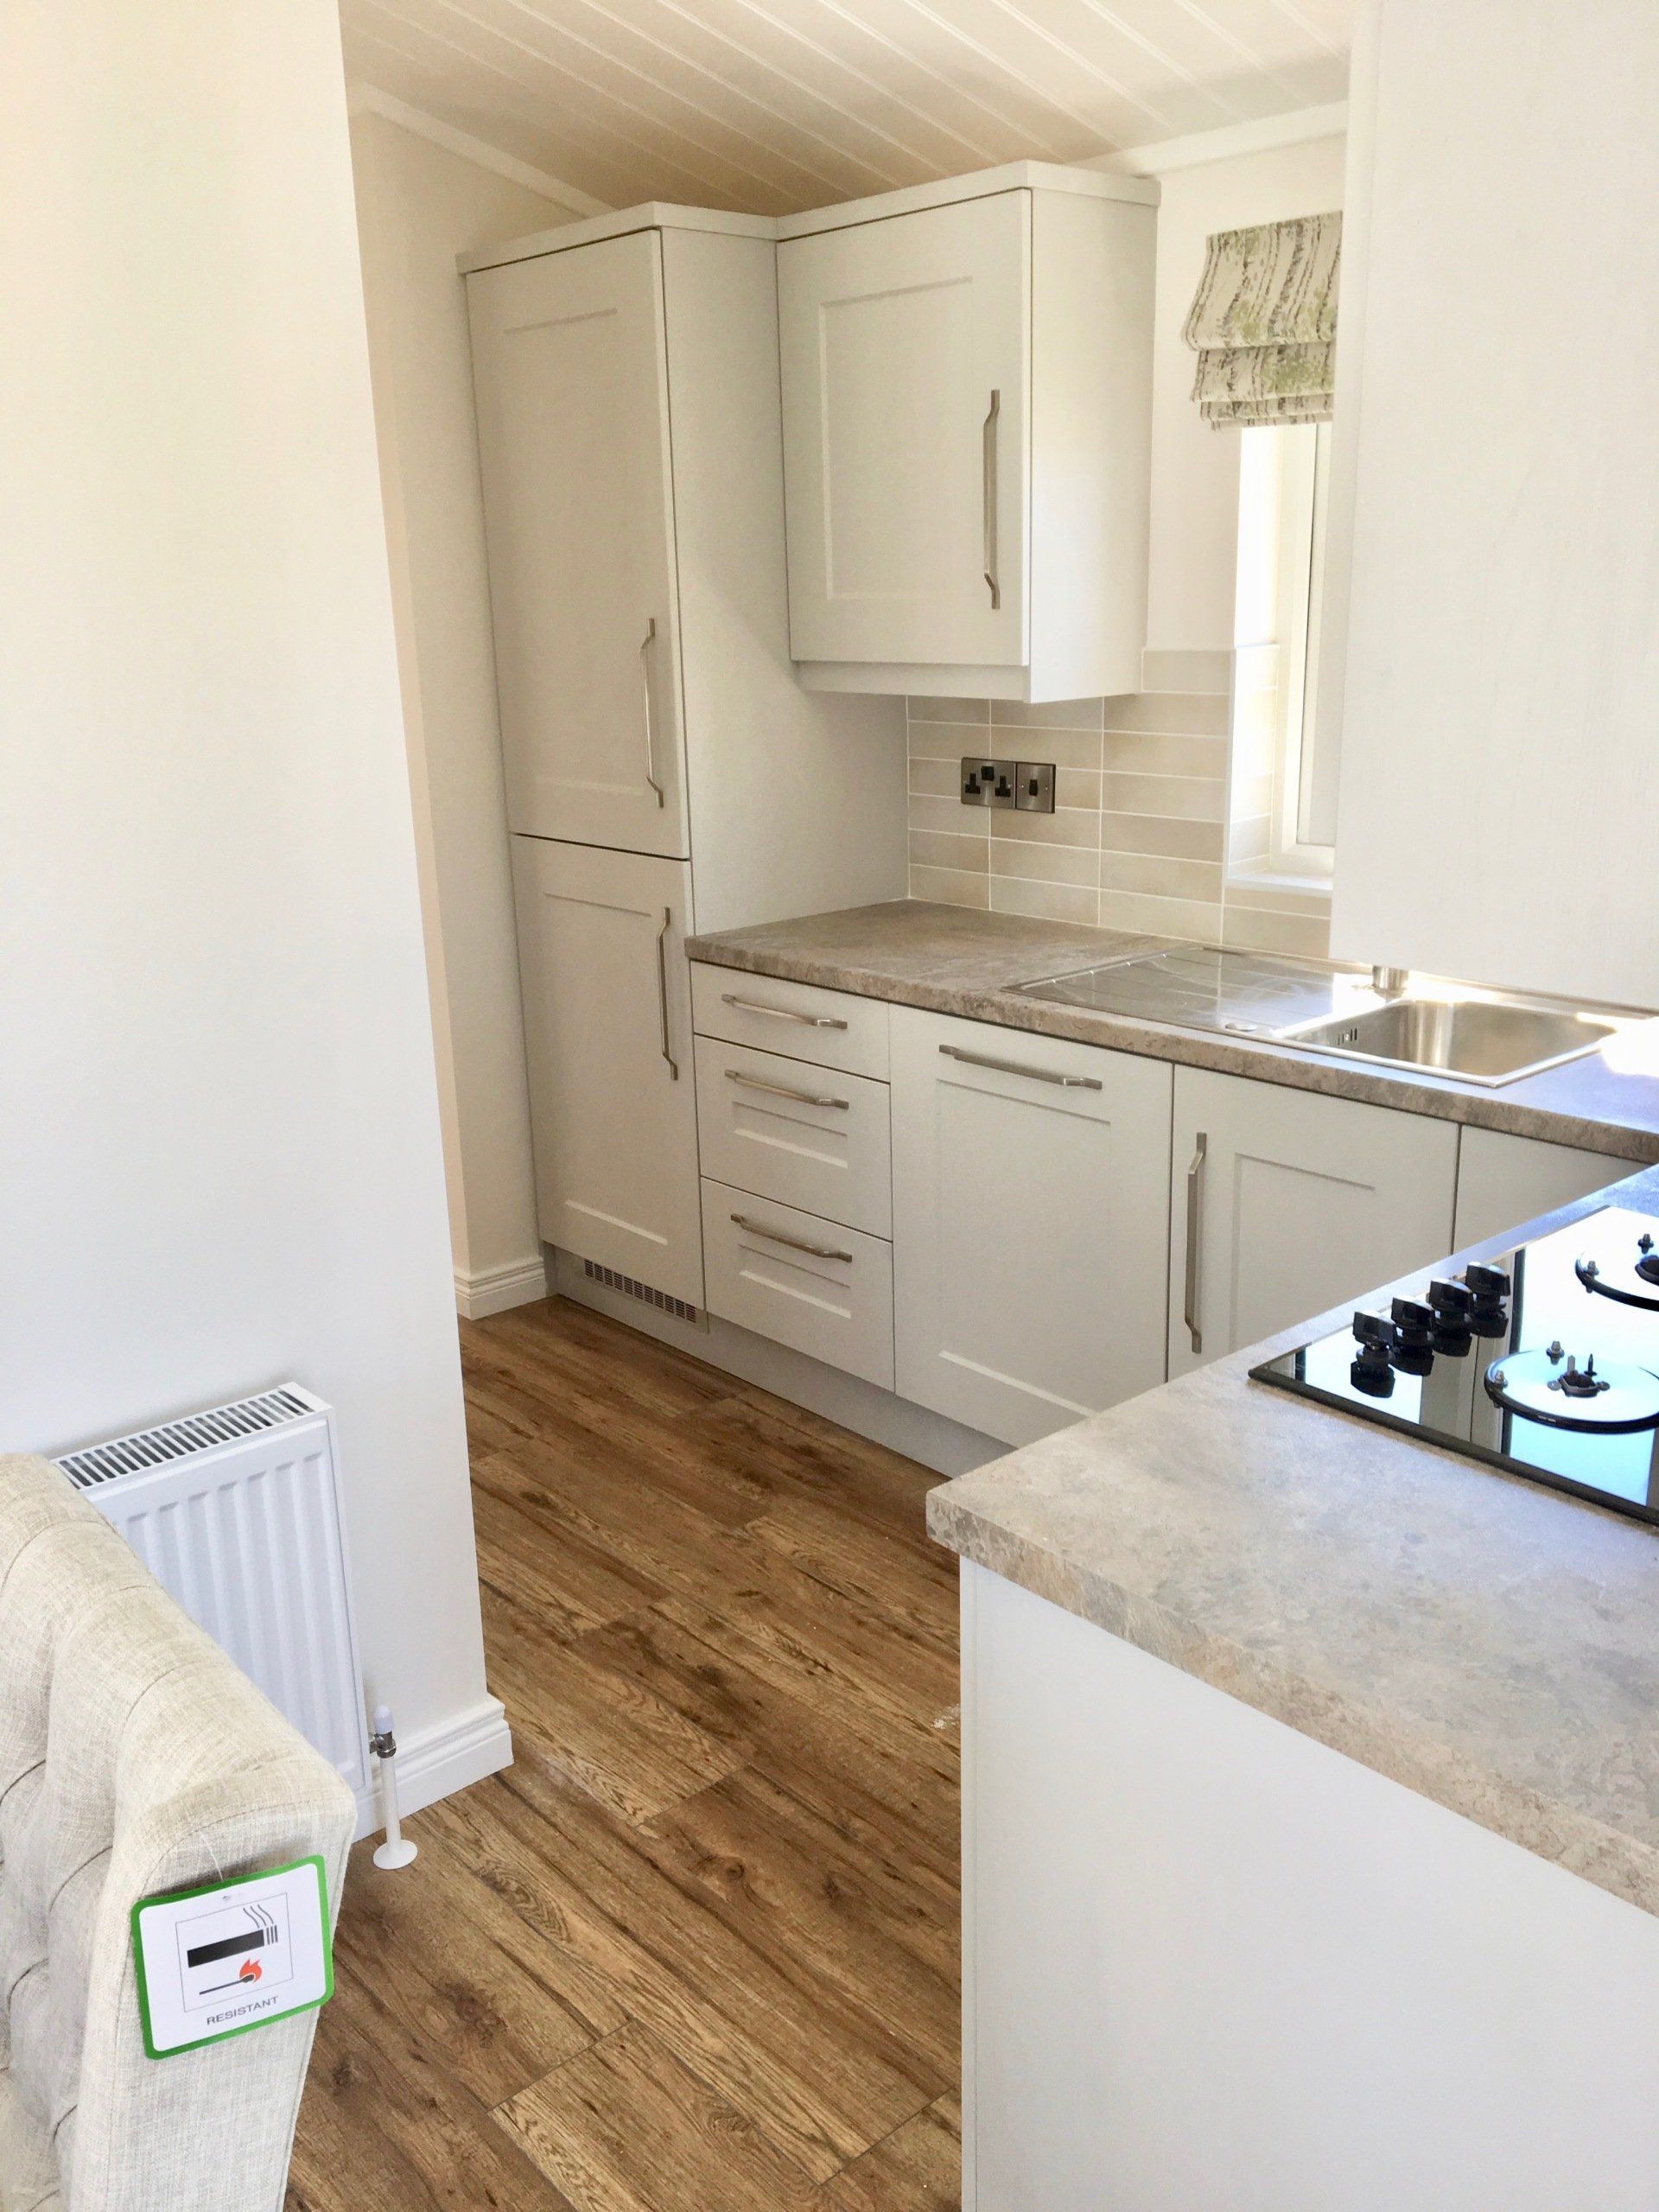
(1264, 322)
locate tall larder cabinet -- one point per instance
(665, 771)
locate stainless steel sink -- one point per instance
(1482, 1040)
(1325, 1007)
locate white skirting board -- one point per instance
(497, 1288)
(936, 1442)
(435, 1762)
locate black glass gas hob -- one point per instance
(1544, 1361)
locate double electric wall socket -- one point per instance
(1027, 784)
(988, 783)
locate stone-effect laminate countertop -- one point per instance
(955, 960)
(1491, 1645)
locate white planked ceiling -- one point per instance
(777, 105)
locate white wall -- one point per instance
(221, 1159)
(1194, 469)
(418, 207)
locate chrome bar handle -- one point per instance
(645, 644)
(794, 1243)
(782, 1013)
(989, 440)
(1014, 1067)
(783, 1090)
(662, 992)
(1194, 1230)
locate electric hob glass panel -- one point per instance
(1450, 1406)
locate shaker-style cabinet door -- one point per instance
(608, 1028)
(1030, 1226)
(570, 374)
(905, 348)
(1285, 1202)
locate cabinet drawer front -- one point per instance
(807, 1136)
(1030, 1224)
(822, 1289)
(833, 1028)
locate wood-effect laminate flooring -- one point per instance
(697, 1950)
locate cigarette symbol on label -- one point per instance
(262, 1931)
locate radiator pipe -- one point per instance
(396, 1850)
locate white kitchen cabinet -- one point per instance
(1030, 1224)
(966, 388)
(631, 439)
(790, 1131)
(833, 1029)
(1212, 1966)
(1499, 777)
(1285, 1202)
(1504, 1181)
(607, 1025)
(818, 1287)
(571, 376)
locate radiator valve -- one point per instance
(396, 1850)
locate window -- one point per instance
(1283, 801)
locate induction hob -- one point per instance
(1543, 1361)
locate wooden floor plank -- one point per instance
(583, 2127)
(698, 1947)
(917, 2168)
(568, 1586)
(386, 2126)
(864, 1924)
(816, 2070)
(604, 1726)
(442, 1964)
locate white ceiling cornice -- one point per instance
(370, 99)
(1296, 129)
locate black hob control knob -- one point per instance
(1373, 1374)
(1454, 1305)
(1489, 1287)
(1373, 1371)
(1414, 1351)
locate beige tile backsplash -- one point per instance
(1147, 820)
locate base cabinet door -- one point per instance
(1503, 1181)
(1030, 1224)
(1284, 1203)
(607, 1025)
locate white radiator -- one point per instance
(236, 1513)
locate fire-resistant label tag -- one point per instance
(213, 1963)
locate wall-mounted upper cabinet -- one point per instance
(967, 402)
